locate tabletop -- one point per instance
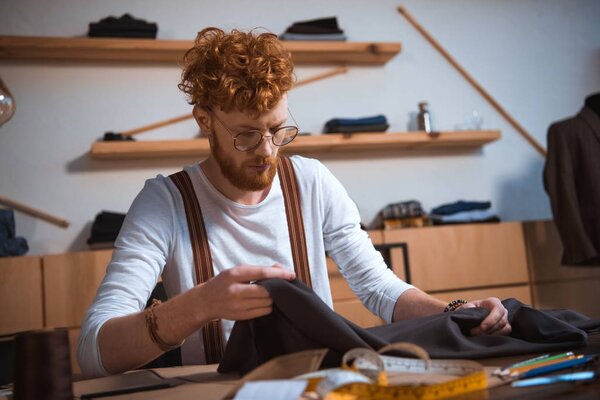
(202, 381)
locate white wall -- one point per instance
(539, 59)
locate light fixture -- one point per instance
(7, 103)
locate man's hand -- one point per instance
(231, 295)
(496, 323)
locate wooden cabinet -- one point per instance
(480, 258)
(70, 284)
(555, 285)
(21, 306)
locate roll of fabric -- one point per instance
(42, 368)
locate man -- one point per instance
(237, 83)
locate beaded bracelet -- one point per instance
(454, 304)
(152, 328)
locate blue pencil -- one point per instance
(558, 366)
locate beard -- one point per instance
(240, 177)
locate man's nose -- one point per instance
(266, 148)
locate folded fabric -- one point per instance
(7, 224)
(315, 37)
(10, 245)
(116, 137)
(459, 206)
(301, 321)
(106, 227)
(315, 26)
(492, 219)
(465, 216)
(13, 247)
(375, 120)
(356, 128)
(125, 26)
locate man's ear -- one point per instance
(202, 117)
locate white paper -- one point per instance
(272, 390)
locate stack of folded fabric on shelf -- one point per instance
(125, 26)
(316, 29)
(377, 123)
(463, 212)
(10, 245)
(105, 230)
(406, 214)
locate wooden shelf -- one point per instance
(337, 143)
(171, 51)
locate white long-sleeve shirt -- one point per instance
(154, 241)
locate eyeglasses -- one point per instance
(250, 140)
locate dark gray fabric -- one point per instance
(301, 321)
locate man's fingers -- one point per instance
(255, 313)
(256, 303)
(493, 318)
(249, 273)
(245, 291)
(496, 322)
(498, 326)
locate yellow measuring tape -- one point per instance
(366, 374)
(358, 391)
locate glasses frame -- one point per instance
(262, 136)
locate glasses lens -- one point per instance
(284, 135)
(247, 140)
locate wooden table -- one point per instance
(203, 382)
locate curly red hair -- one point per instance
(237, 70)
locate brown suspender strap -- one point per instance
(293, 212)
(211, 332)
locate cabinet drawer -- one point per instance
(464, 256)
(20, 294)
(70, 284)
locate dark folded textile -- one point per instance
(116, 137)
(7, 224)
(125, 26)
(315, 26)
(459, 206)
(464, 217)
(374, 120)
(10, 245)
(301, 321)
(356, 128)
(471, 221)
(106, 227)
(13, 247)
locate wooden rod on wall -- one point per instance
(472, 81)
(171, 121)
(33, 212)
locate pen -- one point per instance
(538, 364)
(545, 357)
(578, 360)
